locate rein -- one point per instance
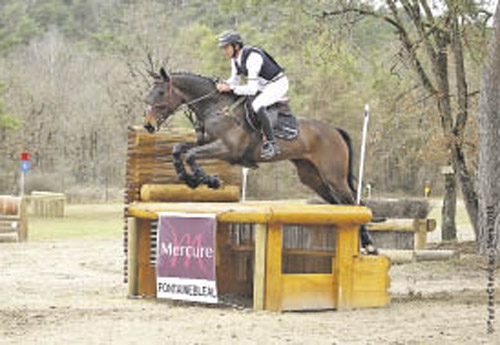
(170, 90)
(199, 99)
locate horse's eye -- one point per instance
(161, 92)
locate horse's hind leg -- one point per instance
(335, 175)
(309, 176)
(344, 193)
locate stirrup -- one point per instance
(269, 150)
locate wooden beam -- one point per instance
(182, 193)
(23, 226)
(347, 247)
(261, 212)
(405, 256)
(371, 281)
(403, 224)
(436, 254)
(420, 233)
(132, 260)
(146, 273)
(308, 291)
(259, 274)
(274, 275)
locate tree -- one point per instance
(7, 122)
(489, 144)
(428, 40)
(76, 73)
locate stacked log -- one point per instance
(13, 220)
(150, 174)
(149, 161)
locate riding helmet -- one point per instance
(230, 37)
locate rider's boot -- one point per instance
(270, 148)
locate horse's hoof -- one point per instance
(213, 182)
(150, 128)
(371, 250)
(191, 182)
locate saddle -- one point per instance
(284, 123)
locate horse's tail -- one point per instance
(366, 238)
(350, 174)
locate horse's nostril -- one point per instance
(150, 128)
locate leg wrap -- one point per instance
(200, 176)
(366, 239)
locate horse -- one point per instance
(321, 153)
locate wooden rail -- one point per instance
(46, 204)
(402, 233)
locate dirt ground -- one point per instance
(71, 292)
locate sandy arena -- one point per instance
(71, 291)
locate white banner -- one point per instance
(194, 290)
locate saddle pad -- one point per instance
(287, 127)
(284, 123)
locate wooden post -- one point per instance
(259, 275)
(274, 275)
(146, 284)
(347, 247)
(224, 264)
(23, 220)
(132, 256)
(420, 226)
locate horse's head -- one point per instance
(163, 99)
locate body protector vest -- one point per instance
(270, 68)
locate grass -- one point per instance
(83, 221)
(106, 221)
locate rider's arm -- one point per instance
(234, 80)
(254, 64)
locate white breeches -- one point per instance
(271, 93)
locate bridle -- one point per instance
(162, 110)
(168, 100)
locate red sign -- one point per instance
(25, 156)
(185, 267)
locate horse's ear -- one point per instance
(164, 74)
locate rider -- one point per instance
(265, 78)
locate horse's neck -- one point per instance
(202, 96)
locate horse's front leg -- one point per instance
(214, 150)
(180, 169)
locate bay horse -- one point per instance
(321, 153)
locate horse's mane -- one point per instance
(189, 75)
(204, 81)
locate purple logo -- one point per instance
(186, 246)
